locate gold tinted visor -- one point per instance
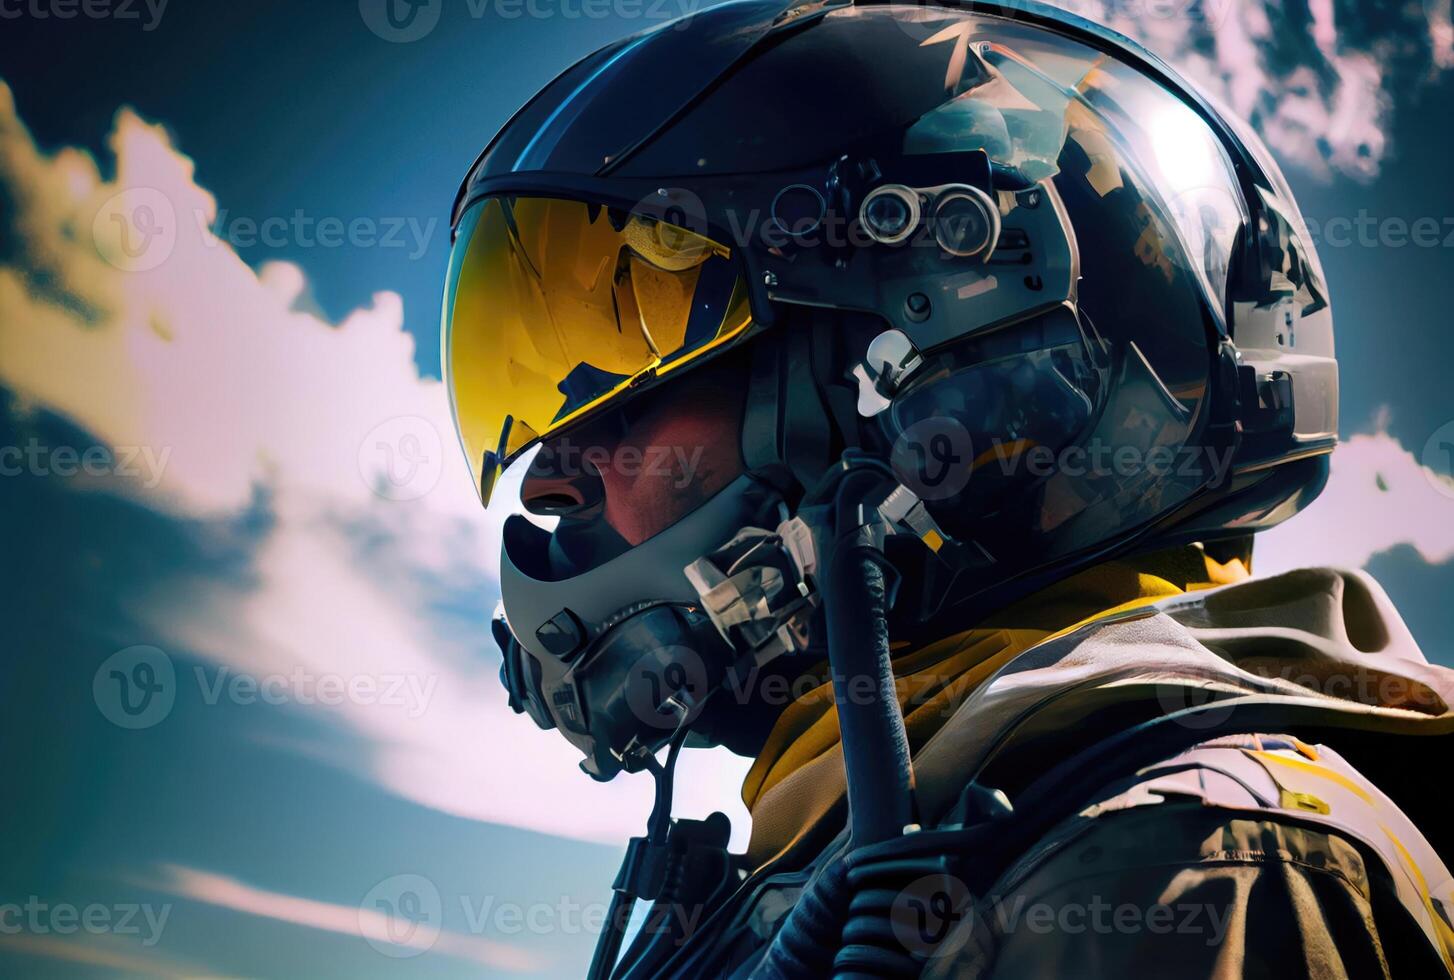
(554, 308)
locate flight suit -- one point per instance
(1240, 853)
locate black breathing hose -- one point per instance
(831, 930)
(855, 606)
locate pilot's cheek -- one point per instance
(667, 467)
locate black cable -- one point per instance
(624, 894)
(613, 932)
(844, 904)
(875, 744)
(658, 825)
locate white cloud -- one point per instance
(363, 921)
(1379, 496)
(182, 348)
(1319, 89)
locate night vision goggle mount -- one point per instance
(899, 200)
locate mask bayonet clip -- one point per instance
(906, 513)
(759, 590)
(890, 360)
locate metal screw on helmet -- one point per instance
(890, 213)
(966, 222)
(917, 307)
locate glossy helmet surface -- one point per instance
(1011, 252)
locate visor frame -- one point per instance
(495, 461)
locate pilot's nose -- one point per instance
(562, 483)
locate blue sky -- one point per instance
(265, 547)
(300, 107)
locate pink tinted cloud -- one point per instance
(362, 922)
(94, 951)
(215, 367)
(1379, 496)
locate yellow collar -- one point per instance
(798, 777)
